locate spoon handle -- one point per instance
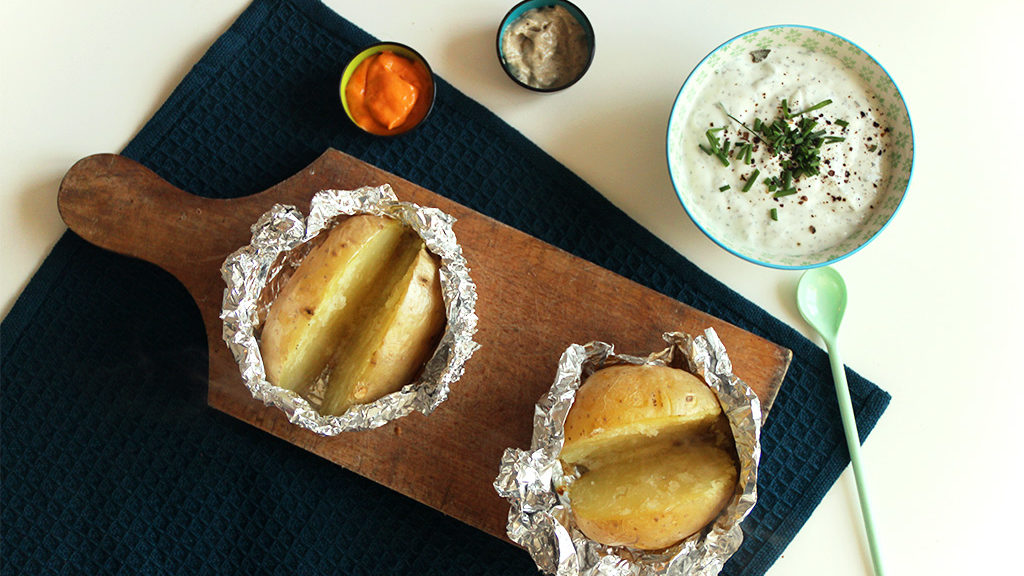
(853, 444)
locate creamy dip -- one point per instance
(827, 208)
(545, 47)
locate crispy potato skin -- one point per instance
(364, 307)
(656, 456)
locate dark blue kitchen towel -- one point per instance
(111, 462)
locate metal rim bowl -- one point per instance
(377, 48)
(522, 7)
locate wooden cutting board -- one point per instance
(534, 300)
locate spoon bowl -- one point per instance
(821, 299)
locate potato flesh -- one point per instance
(398, 338)
(656, 500)
(652, 435)
(322, 301)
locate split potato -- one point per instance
(655, 452)
(363, 308)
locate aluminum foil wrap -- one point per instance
(537, 488)
(278, 241)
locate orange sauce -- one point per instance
(388, 94)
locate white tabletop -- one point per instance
(935, 310)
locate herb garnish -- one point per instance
(715, 147)
(797, 143)
(817, 106)
(751, 179)
(792, 137)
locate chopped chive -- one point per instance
(832, 139)
(787, 179)
(751, 179)
(842, 123)
(784, 192)
(725, 148)
(775, 214)
(785, 108)
(737, 120)
(817, 106)
(705, 149)
(724, 188)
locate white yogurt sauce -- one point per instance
(828, 207)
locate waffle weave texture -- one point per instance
(112, 463)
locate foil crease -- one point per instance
(536, 486)
(278, 237)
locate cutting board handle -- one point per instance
(118, 204)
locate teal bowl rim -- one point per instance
(679, 196)
(516, 11)
(379, 47)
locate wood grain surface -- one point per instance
(534, 300)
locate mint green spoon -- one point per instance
(821, 299)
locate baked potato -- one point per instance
(364, 307)
(655, 453)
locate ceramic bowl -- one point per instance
(730, 230)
